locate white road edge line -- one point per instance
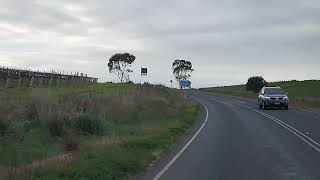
(184, 147)
(293, 130)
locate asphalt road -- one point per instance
(240, 142)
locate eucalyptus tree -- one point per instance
(120, 65)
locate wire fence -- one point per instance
(10, 78)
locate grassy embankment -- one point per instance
(302, 93)
(104, 131)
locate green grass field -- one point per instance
(302, 93)
(104, 131)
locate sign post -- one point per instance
(183, 85)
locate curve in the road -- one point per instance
(311, 142)
(184, 147)
(238, 141)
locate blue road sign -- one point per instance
(185, 83)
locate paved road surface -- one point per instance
(240, 142)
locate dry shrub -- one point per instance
(43, 105)
(4, 126)
(89, 123)
(55, 161)
(305, 101)
(70, 144)
(11, 116)
(84, 113)
(123, 104)
(56, 128)
(154, 98)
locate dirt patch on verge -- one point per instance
(13, 172)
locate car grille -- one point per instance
(276, 98)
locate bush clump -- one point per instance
(56, 128)
(70, 143)
(4, 126)
(88, 123)
(255, 84)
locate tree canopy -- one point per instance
(120, 64)
(255, 83)
(182, 69)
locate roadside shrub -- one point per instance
(255, 84)
(4, 126)
(88, 123)
(56, 127)
(70, 144)
(32, 113)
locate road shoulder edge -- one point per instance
(168, 155)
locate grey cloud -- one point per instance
(221, 38)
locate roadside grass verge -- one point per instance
(301, 93)
(104, 131)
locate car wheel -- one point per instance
(286, 107)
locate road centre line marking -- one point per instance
(294, 131)
(184, 147)
(296, 108)
(241, 102)
(287, 125)
(311, 142)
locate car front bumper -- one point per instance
(276, 103)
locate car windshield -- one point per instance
(273, 91)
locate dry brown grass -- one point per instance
(51, 112)
(18, 172)
(305, 102)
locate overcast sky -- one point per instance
(226, 41)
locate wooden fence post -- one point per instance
(7, 82)
(31, 82)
